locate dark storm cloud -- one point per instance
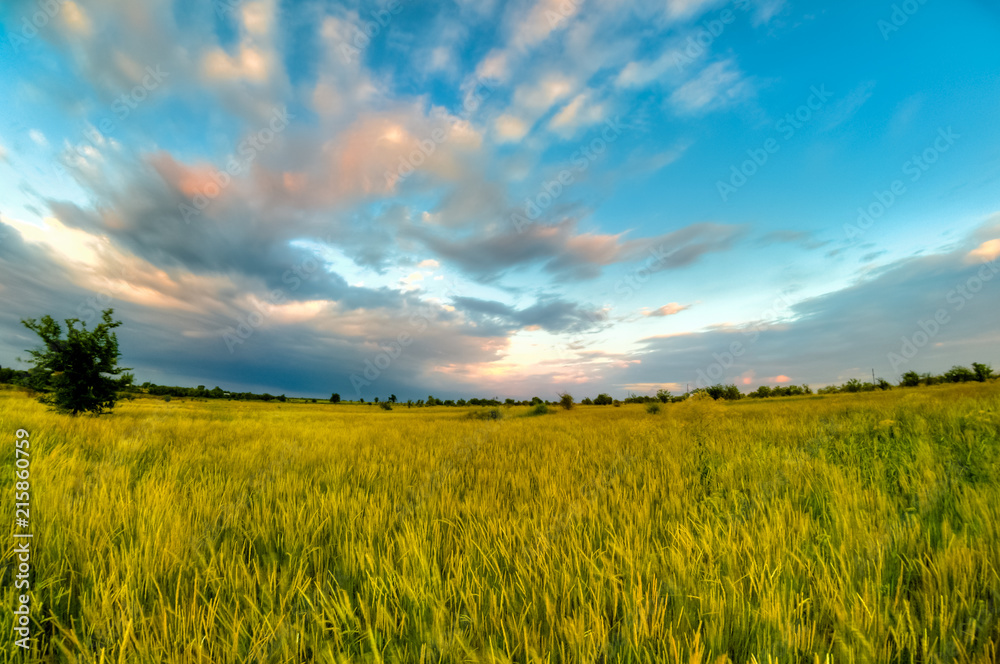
(561, 251)
(552, 315)
(849, 332)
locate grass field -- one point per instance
(847, 528)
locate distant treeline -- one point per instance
(201, 393)
(957, 374)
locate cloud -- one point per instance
(561, 251)
(510, 128)
(671, 309)
(846, 333)
(848, 107)
(716, 86)
(582, 111)
(987, 251)
(804, 239)
(550, 314)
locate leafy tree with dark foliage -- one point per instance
(983, 371)
(80, 373)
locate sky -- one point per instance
(504, 198)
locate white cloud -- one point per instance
(687, 8)
(39, 138)
(582, 111)
(510, 128)
(718, 85)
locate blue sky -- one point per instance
(504, 198)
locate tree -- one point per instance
(663, 395)
(392, 398)
(727, 392)
(959, 374)
(334, 398)
(80, 373)
(983, 371)
(566, 400)
(603, 400)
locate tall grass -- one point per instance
(849, 528)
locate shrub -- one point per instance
(727, 392)
(166, 398)
(652, 408)
(539, 409)
(385, 405)
(488, 414)
(78, 374)
(587, 401)
(983, 371)
(618, 404)
(910, 379)
(566, 400)
(603, 400)
(959, 374)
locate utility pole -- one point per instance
(873, 377)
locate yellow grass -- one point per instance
(848, 528)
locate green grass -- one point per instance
(857, 528)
